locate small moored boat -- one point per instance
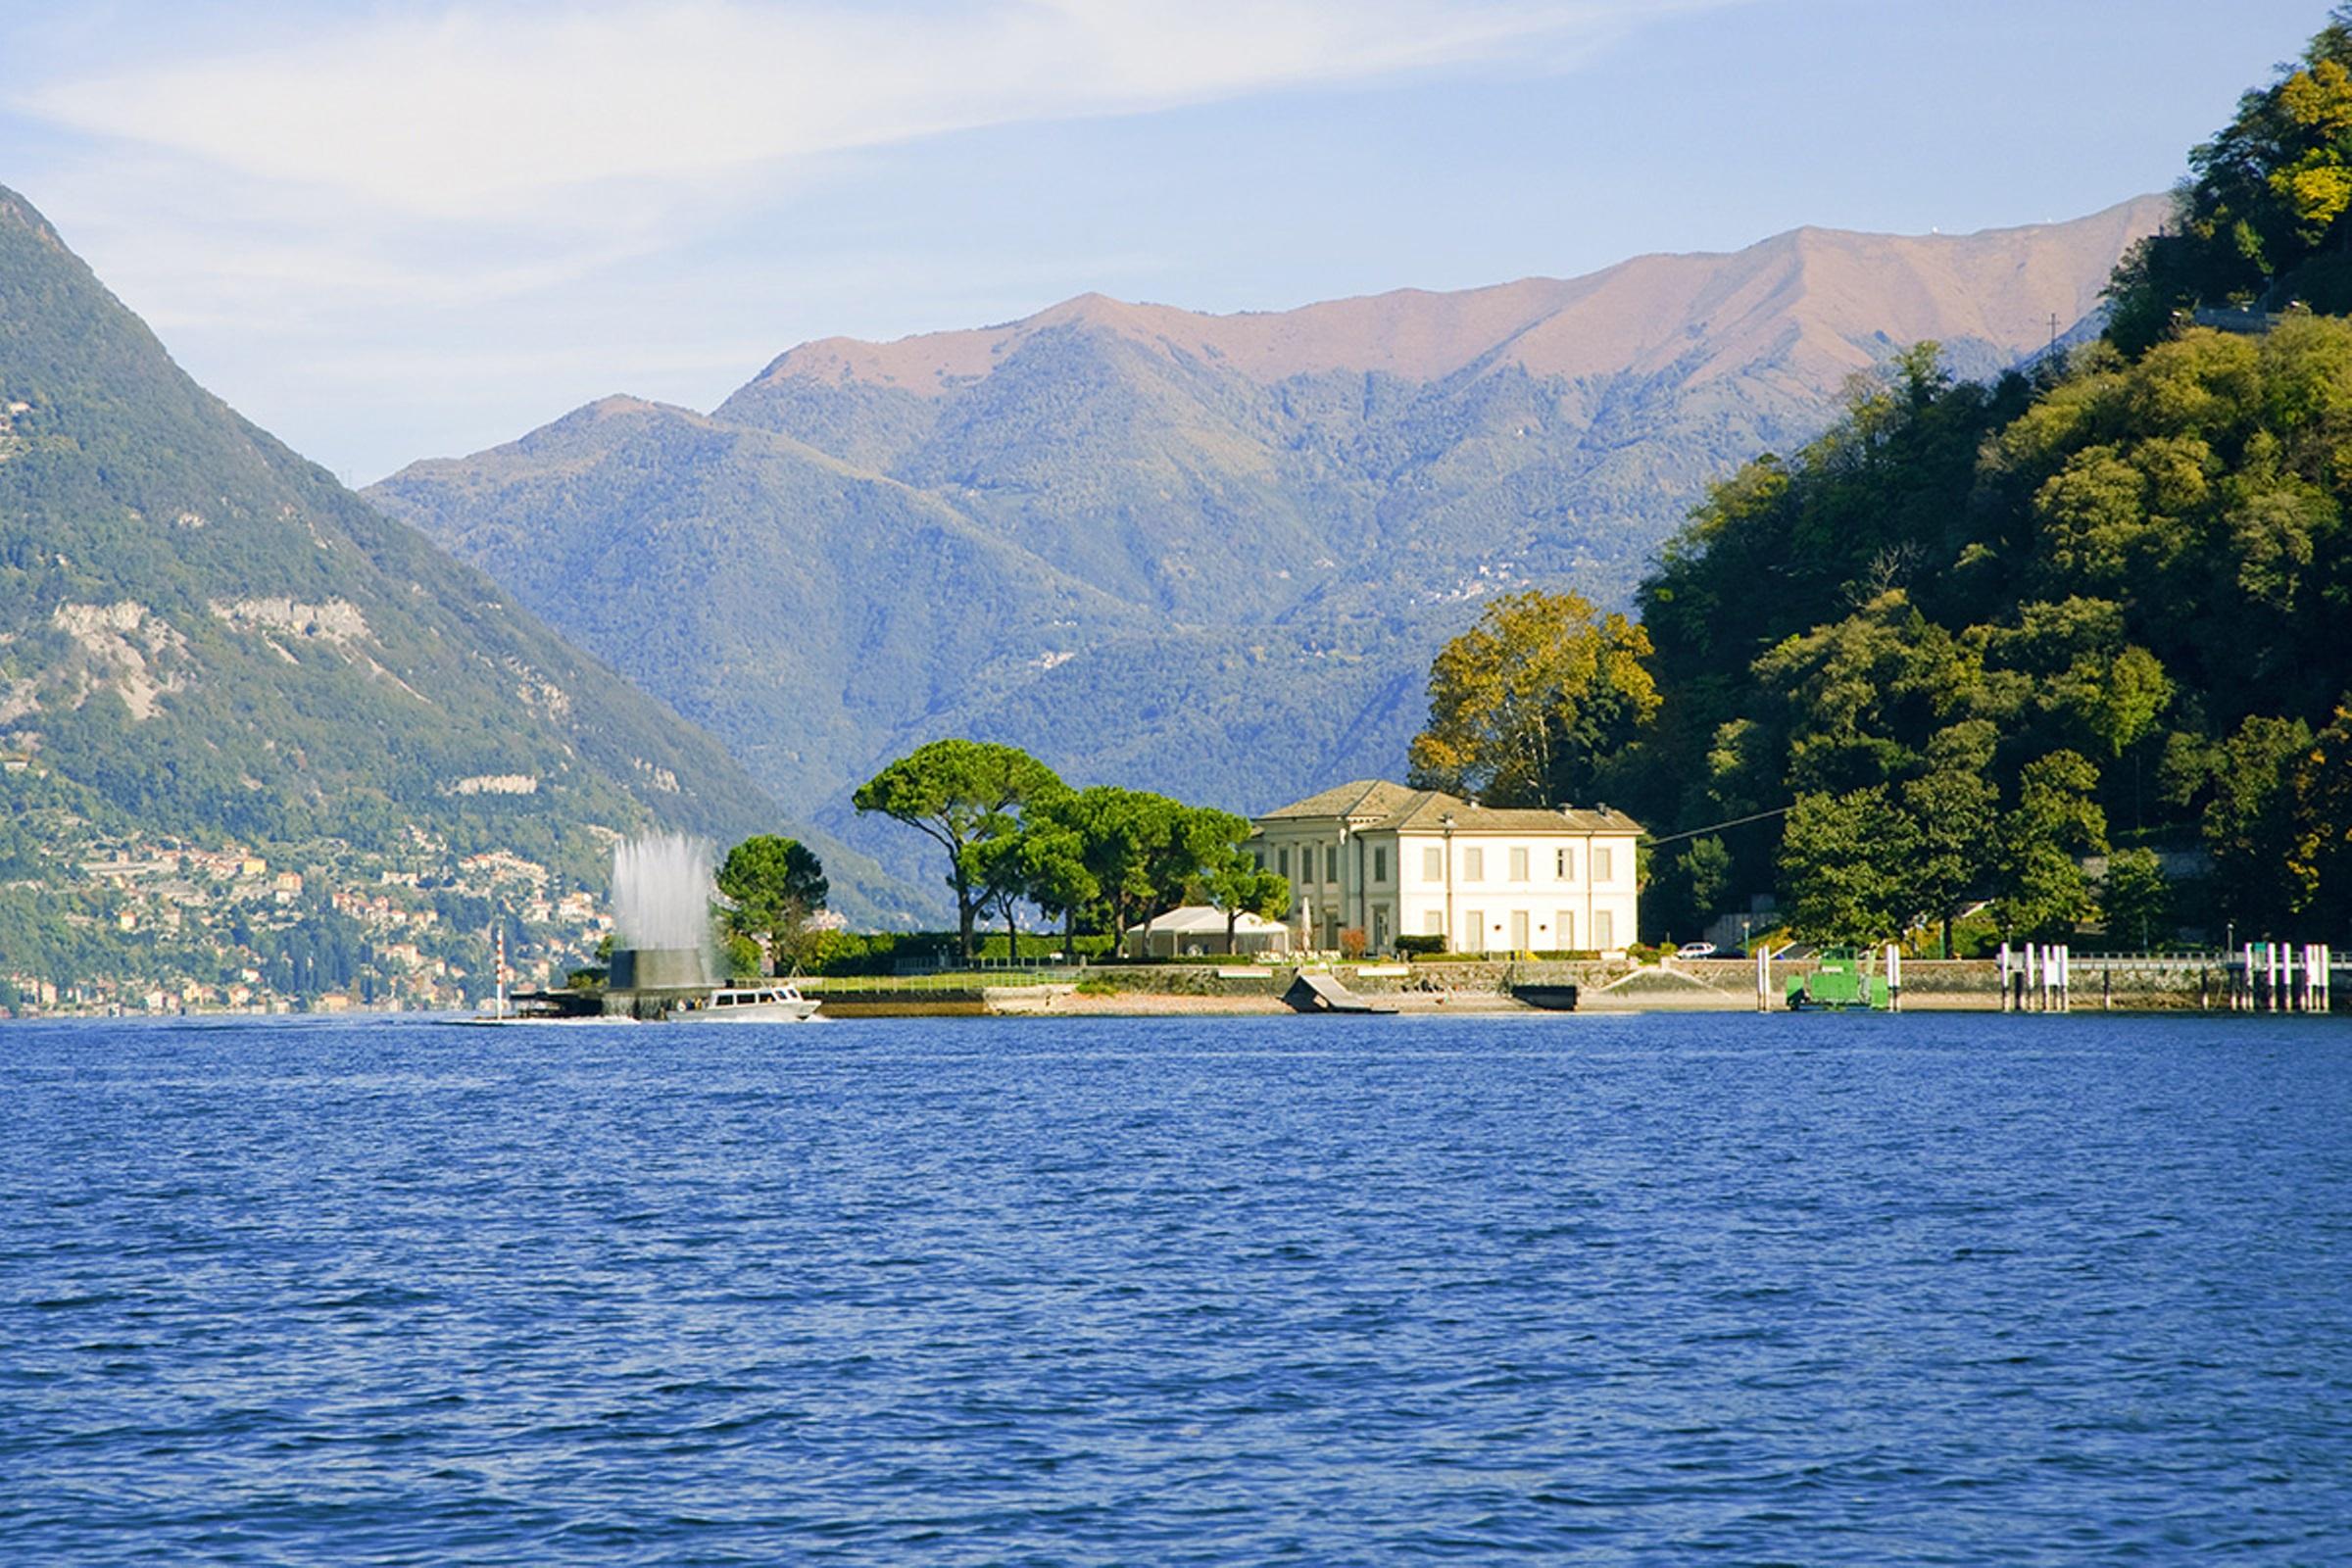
(745, 1004)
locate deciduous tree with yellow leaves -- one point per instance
(1529, 702)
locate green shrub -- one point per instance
(1417, 947)
(863, 953)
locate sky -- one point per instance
(387, 230)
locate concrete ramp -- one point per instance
(1323, 993)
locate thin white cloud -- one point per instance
(424, 226)
(482, 109)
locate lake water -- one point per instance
(1661, 1290)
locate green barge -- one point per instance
(1840, 985)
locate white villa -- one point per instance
(1393, 861)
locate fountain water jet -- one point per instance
(661, 891)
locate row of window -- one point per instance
(1432, 864)
(1514, 933)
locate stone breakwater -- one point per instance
(1716, 985)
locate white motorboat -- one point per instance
(745, 1004)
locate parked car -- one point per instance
(1695, 949)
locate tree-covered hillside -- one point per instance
(2138, 569)
(1979, 634)
(203, 635)
(2264, 219)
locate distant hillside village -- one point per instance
(162, 925)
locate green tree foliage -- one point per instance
(743, 956)
(1952, 808)
(1233, 881)
(774, 884)
(1098, 859)
(1527, 704)
(2261, 220)
(1698, 876)
(1043, 863)
(2137, 898)
(2138, 571)
(2323, 801)
(962, 795)
(1143, 852)
(1842, 859)
(2041, 890)
(2279, 822)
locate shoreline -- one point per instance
(2148, 986)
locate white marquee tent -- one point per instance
(1197, 928)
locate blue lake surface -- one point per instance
(1653, 1290)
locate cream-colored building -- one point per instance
(1392, 862)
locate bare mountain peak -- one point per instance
(1807, 290)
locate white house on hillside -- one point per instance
(1393, 861)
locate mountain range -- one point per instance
(203, 634)
(1211, 554)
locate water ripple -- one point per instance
(1630, 1289)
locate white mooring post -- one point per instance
(2249, 1001)
(2004, 977)
(1894, 978)
(1764, 977)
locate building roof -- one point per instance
(1377, 803)
(1365, 798)
(1206, 917)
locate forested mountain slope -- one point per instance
(1979, 634)
(1211, 554)
(203, 634)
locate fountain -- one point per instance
(662, 911)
